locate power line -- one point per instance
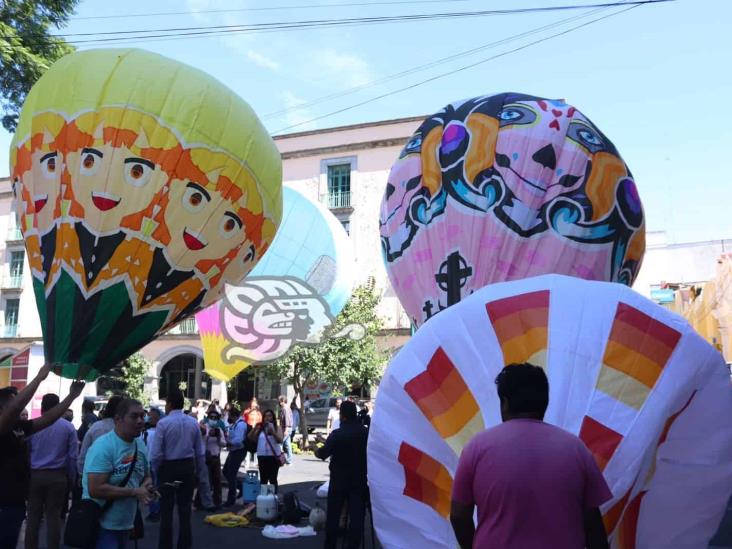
(386, 18)
(188, 32)
(270, 8)
(419, 68)
(449, 73)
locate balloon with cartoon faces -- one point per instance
(505, 187)
(143, 186)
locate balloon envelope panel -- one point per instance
(505, 187)
(648, 396)
(311, 245)
(143, 186)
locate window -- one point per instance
(12, 307)
(339, 186)
(16, 268)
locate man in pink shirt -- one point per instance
(535, 485)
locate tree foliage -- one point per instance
(131, 374)
(341, 362)
(27, 48)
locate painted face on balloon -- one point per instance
(111, 183)
(45, 171)
(203, 225)
(544, 149)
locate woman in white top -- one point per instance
(268, 436)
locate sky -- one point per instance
(654, 79)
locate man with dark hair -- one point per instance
(177, 453)
(535, 485)
(102, 427)
(237, 452)
(53, 470)
(88, 417)
(285, 421)
(346, 447)
(110, 459)
(14, 462)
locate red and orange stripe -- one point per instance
(426, 480)
(521, 326)
(636, 353)
(442, 395)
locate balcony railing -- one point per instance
(14, 234)
(14, 282)
(339, 200)
(10, 330)
(187, 327)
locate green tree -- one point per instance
(131, 375)
(342, 362)
(27, 48)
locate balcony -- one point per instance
(10, 330)
(339, 200)
(187, 327)
(12, 282)
(14, 234)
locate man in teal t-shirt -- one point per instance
(105, 469)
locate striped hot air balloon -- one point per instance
(648, 396)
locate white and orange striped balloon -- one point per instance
(648, 396)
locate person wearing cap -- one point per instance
(214, 441)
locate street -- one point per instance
(304, 477)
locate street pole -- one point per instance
(197, 379)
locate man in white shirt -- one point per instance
(334, 417)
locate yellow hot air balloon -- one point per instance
(143, 186)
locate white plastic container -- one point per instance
(267, 503)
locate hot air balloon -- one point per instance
(311, 246)
(505, 187)
(143, 186)
(648, 396)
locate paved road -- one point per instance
(304, 476)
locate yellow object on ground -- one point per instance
(226, 520)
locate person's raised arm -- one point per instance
(325, 451)
(595, 535)
(57, 411)
(254, 433)
(11, 412)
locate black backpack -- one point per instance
(291, 512)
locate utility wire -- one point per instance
(270, 8)
(449, 73)
(419, 68)
(186, 32)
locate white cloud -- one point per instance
(347, 67)
(262, 60)
(290, 101)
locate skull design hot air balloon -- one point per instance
(647, 395)
(505, 187)
(143, 186)
(312, 249)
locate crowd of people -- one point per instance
(134, 462)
